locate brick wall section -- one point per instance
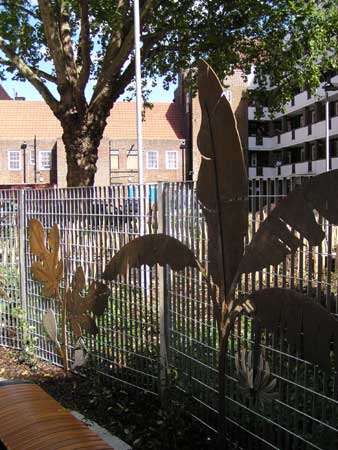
(239, 105)
(105, 176)
(32, 172)
(20, 121)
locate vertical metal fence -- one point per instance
(158, 319)
(10, 311)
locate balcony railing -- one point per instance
(302, 168)
(294, 137)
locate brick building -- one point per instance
(236, 91)
(32, 152)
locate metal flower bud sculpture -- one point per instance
(77, 308)
(222, 190)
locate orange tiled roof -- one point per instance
(24, 119)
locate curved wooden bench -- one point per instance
(30, 419)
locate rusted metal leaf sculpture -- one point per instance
(307, 325)
(151, 249)
(295, 212)
(222, 193)
(222, 181)
(80, 307)
(50, 269)
(75, 307)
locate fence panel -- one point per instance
(10, 307)
(305, 414)
(94, 224)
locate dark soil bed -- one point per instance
(134, 416)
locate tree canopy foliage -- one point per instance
(67, 43)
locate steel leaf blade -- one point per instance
(222, 179)
(274, 238)
(150, 250)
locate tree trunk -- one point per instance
(81, 139)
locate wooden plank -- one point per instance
(30, 419)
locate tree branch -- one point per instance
(30, 75)
(53, 39)
(84, 45)
(45, 75)
(117, 53)
(40, 73)
(110, 93)
(66, 41)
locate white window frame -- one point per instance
(148, 154)
(12, 152)
(32, 157)
(42, 152)
(114, 152)
(167, 153)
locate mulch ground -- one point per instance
(134, 416)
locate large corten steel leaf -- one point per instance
(150, 250)
(308, 327)
(222, 179)
(50, 269)
(274, 238)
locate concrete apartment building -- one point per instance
(32, 152)
(292, 144)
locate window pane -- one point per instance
(152, 162)
(14, 160)
(171, 160)
(45, 159)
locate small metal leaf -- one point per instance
(80, 354)
(97, 298)
(37, 238)
(79, 280)
(54, 243)
(49, 322)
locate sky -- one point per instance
(25, 89)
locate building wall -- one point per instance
(294, 141)
(122, 147)
(34, 173)
(236, 89)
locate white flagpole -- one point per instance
(139, 111)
